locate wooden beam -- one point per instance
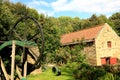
(18, 72)
(4, 70)
(25, 69)
(13, 60)
(25, 62)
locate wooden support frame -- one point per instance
(18, 72)
(25, 69)
(24, 62)
(22, 73)
(13, 60)
(4, 70)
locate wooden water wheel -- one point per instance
(29, 45)
(31, 33)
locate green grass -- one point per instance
(49, 75)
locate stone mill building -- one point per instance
(103, 44)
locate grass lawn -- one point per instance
(49, 75)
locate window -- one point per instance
(109, 44)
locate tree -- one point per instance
(94, 20)
(65, 24)
(6, 20)
(52, 39)
(85, 23)
(19, 9)
(103, 19)
(115, 19)
(76, 23)
(33, 13)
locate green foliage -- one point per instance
(66, 54)
(76, 24)
(17, 58)
(87, 72)
(5, 21)
(19, 9)
(115, 20)
(116, 77)
(65, 24)
(76, 54)
(33, 13)
(107, 76)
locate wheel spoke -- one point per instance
(33, 36)
(17, 35)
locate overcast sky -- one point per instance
(73, 8)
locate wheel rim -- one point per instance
(36, 36)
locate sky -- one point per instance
(73, 8)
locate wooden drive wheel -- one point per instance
(27, 42)
(30, 33)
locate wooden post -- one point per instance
(18, 72)
(4, 70)
(25, 69)
(25, 62)
(13, 60)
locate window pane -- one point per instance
(109, 44)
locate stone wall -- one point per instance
(90, 53)
(102, 49)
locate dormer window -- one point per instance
(109, 44)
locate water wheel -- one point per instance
(33, 33)
(24, 33)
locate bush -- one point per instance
(107, 76)
(117, 77)
(87, 72)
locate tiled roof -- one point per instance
(86, 34)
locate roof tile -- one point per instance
(86, 34)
